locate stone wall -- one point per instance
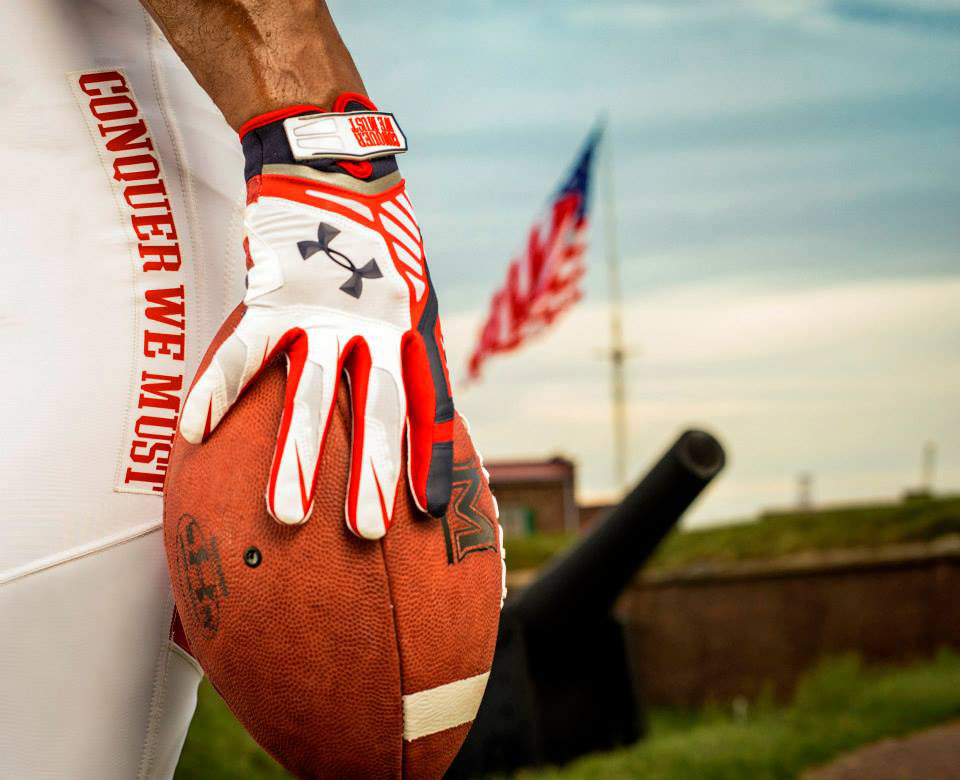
(718, 632)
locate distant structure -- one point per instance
(617, 353)
(535, 495)
(805, 491)
(539, 496)
(929, 466)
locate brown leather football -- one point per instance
(342, 657)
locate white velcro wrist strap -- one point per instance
(357, 135)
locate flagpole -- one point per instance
(617, 353)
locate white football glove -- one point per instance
(337, 280)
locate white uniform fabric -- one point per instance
(98, 339)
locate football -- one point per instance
(342, 657)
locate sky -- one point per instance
(787, 198)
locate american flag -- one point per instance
(543, 280)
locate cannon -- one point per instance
(561, 685)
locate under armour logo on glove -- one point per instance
(354, 285)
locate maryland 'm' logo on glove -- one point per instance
(337, 280)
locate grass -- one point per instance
(837, 707)
(529, 552)
(218, 747)
(778, 534)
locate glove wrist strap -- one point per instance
(354, 138)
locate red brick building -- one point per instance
(535, 495)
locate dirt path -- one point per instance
(928, 755)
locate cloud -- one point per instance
(929, 15)
(925, 15)
(847, 381)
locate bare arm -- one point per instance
(253, 56)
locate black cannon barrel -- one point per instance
(586, 581)
(561, 684)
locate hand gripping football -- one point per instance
(343, 657)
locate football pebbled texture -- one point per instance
(343, 657)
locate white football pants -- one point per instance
(120, 253)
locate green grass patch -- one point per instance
(776, 534)
(529, 552)
(780, 534)
(218, 747)
(837, 707)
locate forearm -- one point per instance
(254, 56)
